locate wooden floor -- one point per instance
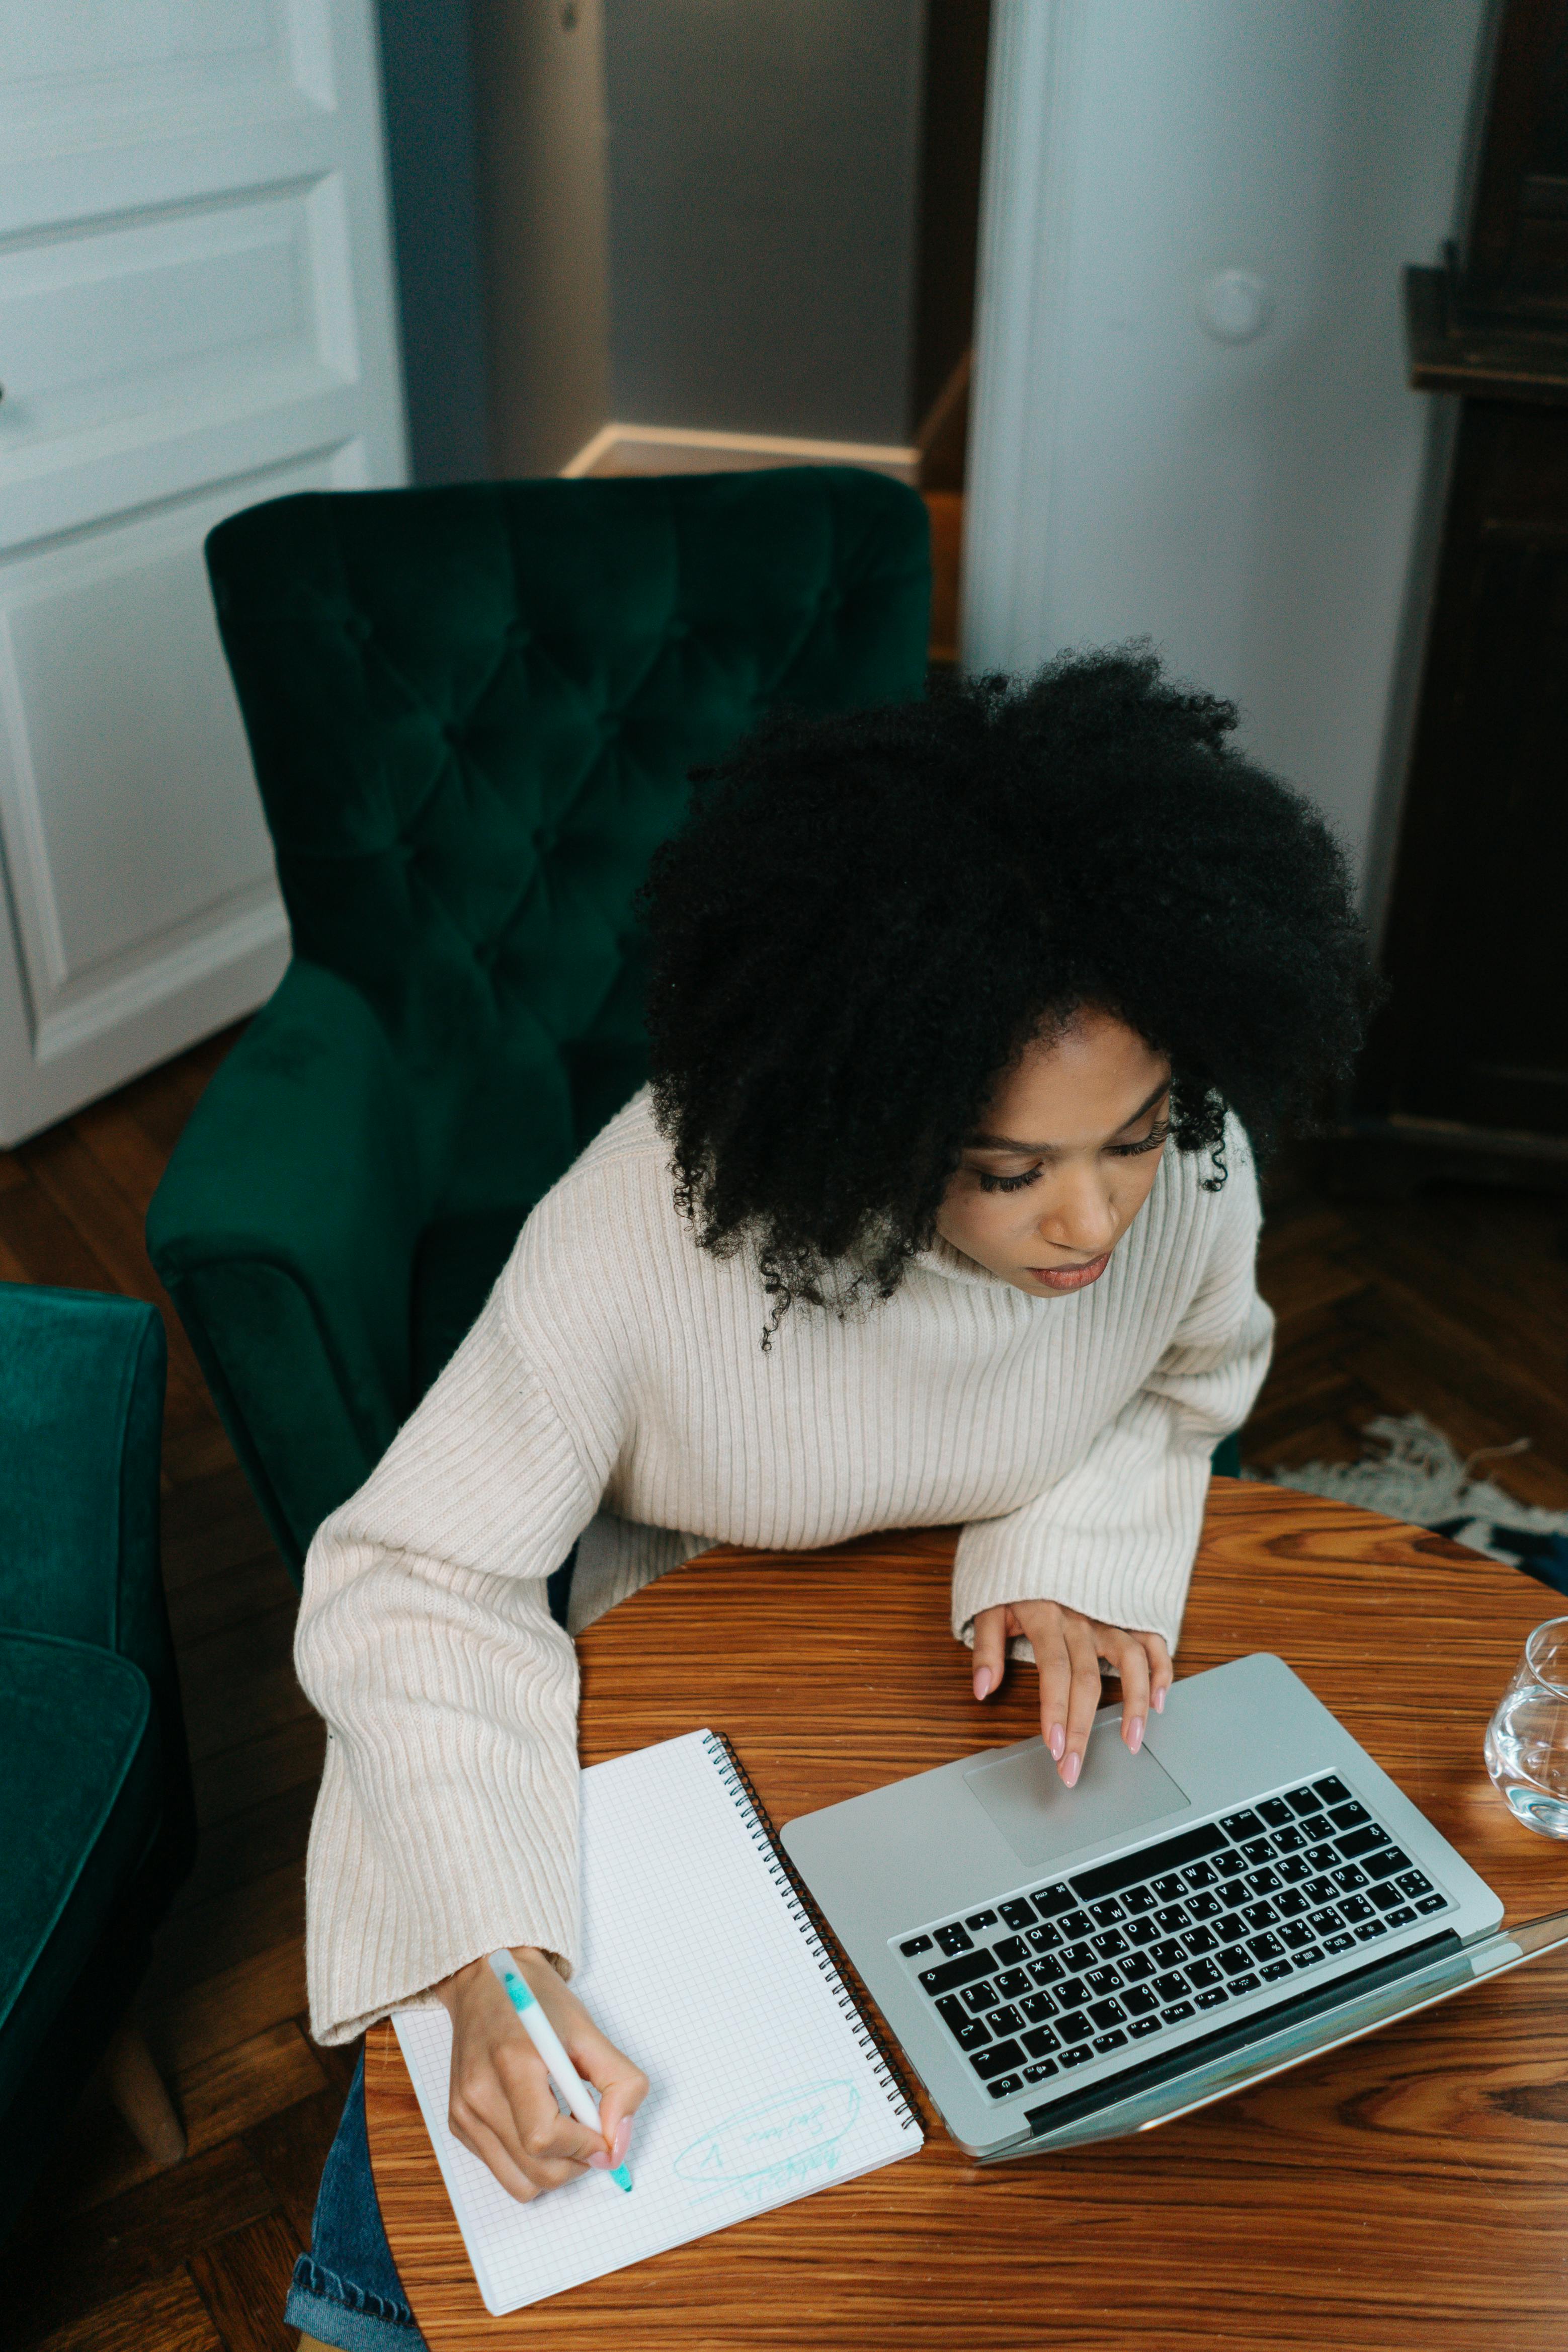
(1455, 1304)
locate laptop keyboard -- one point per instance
(1041, 1982)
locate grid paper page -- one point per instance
(697, 1966)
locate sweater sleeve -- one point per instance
(1115, 1536)
(446, 1824)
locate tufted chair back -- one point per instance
(473, 714)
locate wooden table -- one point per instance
(1411, 2191)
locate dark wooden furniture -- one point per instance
(1407, 2188)
(1469, 1067)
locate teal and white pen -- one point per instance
(578, 2095)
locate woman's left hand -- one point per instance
(1068, 1648)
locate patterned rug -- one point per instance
(1411, 1471)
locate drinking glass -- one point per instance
(1527, 1738)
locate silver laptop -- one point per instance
(1066, 1964)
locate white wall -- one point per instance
(1255, 508)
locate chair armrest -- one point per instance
(283, 1231)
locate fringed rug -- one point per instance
(1415, 1474)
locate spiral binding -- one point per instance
(821, 1941)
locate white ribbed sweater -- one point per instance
(614, 1389)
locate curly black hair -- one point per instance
(867, 917)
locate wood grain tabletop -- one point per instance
(1410, 2188)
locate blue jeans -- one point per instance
(346, 2290)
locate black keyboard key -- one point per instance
(1141, 1898)
(1170, 1854)
(1000, 2059)
(1012, 1983)
(1199, 1939)
(1049, 1901)
(1348, 1879)
(1357, 1842)
(1105, 2042)
(1101, 1981)
(1075, 2028)
(1386, 1865)
(1403, 1917)
(1303, 1800)
(1077, 2057)
(1047, 1971)
(1206, 1972)
(1011, 1951)
(1214, 1998)
(1136, 1966)
(1240, 1826)
(981, 1996)
(950, 1974)
(1236, 1962)
(1106, 1914)
(1261, 1914)
(1205, 1907)
(1074, 1923)
(1139, 2001)
(1276, 1812)
(1325, 1922)
(1354, 1909)
(1331, 1791)
(1005, 2088)
(1111, 1944)
(1266, 1948)
(1174, 1916)
(1142, 2025)
(1168, 1887)
(1238, 1985)
(1412, 1883)
(1179, 2012)
(1018, 1913)
(978, 1919)
(1334, 1944)
(1307, 1960)
(1039, 2041)
(1323, 1857)
(1043, 1940)
(1319, 1890)
(1235, 1894)
(1264, 1882)
(1040, 2070)
(1349, 1817)
(1298, 1936)
(1168, 1955)
(915, 1944)
(1202, 1874)
(1275, 1970)
(955, 1939)
(1290, 1841)
(1295, 1870)
(1291, 1903)
(1231, 1928)
(1229, 1865)
(1372, 1928)
(1430, 1902)
(1259, 1851)
(968, 2032)
(1004, 2021)
(1078, 1955)
(1142, 1931)
(1384, 1899)
(1105, 2014)
(1037, 2007)
(1172, 1988)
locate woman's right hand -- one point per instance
(501, 2103)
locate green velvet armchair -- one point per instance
(473, 713)
(99, 1824)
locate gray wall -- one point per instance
(539, 73)
(428, 104)
(763, 161)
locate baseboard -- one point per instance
(672, 449)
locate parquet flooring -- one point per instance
(1454, 1303)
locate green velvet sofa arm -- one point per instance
(284, 1230)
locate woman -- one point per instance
(966, 1018)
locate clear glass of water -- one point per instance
(1527, 1738)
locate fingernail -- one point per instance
(984, 1679)
(1070, 1770)
(601, 2161)
(1135, 1734)
(622, 2142)
(1057, 1741)
(1159, 1702)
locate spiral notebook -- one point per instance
(702, 1962)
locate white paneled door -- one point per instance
(195, 314)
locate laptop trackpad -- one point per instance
(1039, 1818)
